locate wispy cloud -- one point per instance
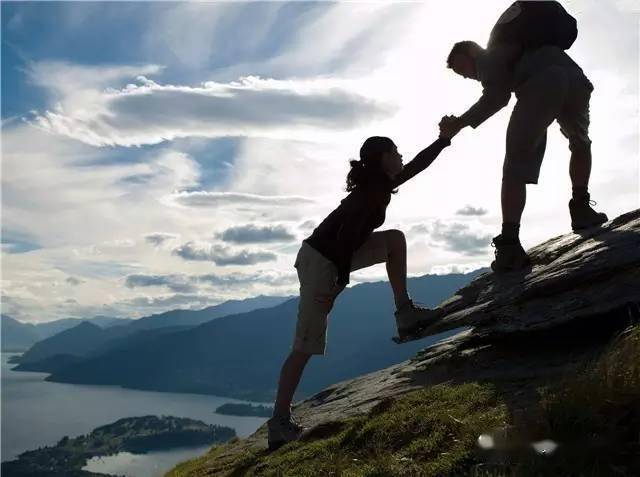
(472, 211)
(250, 233)
(176, 283)
(137, 114)
(183, 282)
(214, 199)
(221, 255)
(160, 238)
(270, 277)
(181, 300)
(463, 238)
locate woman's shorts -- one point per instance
(318, 290)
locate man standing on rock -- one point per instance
(526, 55)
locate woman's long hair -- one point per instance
(369, 167)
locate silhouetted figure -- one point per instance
(526, 55)
(343, 242)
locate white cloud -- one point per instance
(175, 283)
(222, 255)
(470, 210)
(252, 233)
(456, 268)
(183, 282)
(149, 304)
(466, 238)
(52, 197)
(159, 238)
(217, 199)
(149, 113)
(79, 88)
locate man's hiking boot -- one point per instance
(410, 319)
(509, 255)
(283, 429)
(583, 216)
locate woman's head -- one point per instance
(379, 157)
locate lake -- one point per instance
(37, 413)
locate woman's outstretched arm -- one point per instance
(421, 161)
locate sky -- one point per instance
(161, 155)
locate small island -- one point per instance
(132, 434)
(245, 410)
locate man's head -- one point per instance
(462, 58)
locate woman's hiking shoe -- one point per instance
(583, 216)
(509, 255)
(411, 318)
(283, 429)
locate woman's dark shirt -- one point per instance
(349, 225)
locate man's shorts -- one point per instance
(318, 290)
(557, 93)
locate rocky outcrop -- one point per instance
(515, 331)
(573, 276)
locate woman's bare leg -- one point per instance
(397, 265)
(289, 379)
(295, 363)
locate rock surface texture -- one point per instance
(516, 330)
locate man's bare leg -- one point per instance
(509, 252)
(582, 215)
(513, 198)
(289, 379)
(580, 169)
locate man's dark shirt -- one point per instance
(348, 226)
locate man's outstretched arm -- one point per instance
(493, 99)
(422, 160)
(495, 70)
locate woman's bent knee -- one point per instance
(395, 238)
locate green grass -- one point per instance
(593, 416)
(429, 432)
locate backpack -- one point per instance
(532, 24)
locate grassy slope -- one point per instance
(594, 417)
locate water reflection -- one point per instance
(152, 464)
(37, 413)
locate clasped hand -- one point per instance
(449, 126)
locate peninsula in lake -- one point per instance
(133, 434)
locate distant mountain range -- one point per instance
(19, 336)
(240, 355)
(87, 338)
(197, 317)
